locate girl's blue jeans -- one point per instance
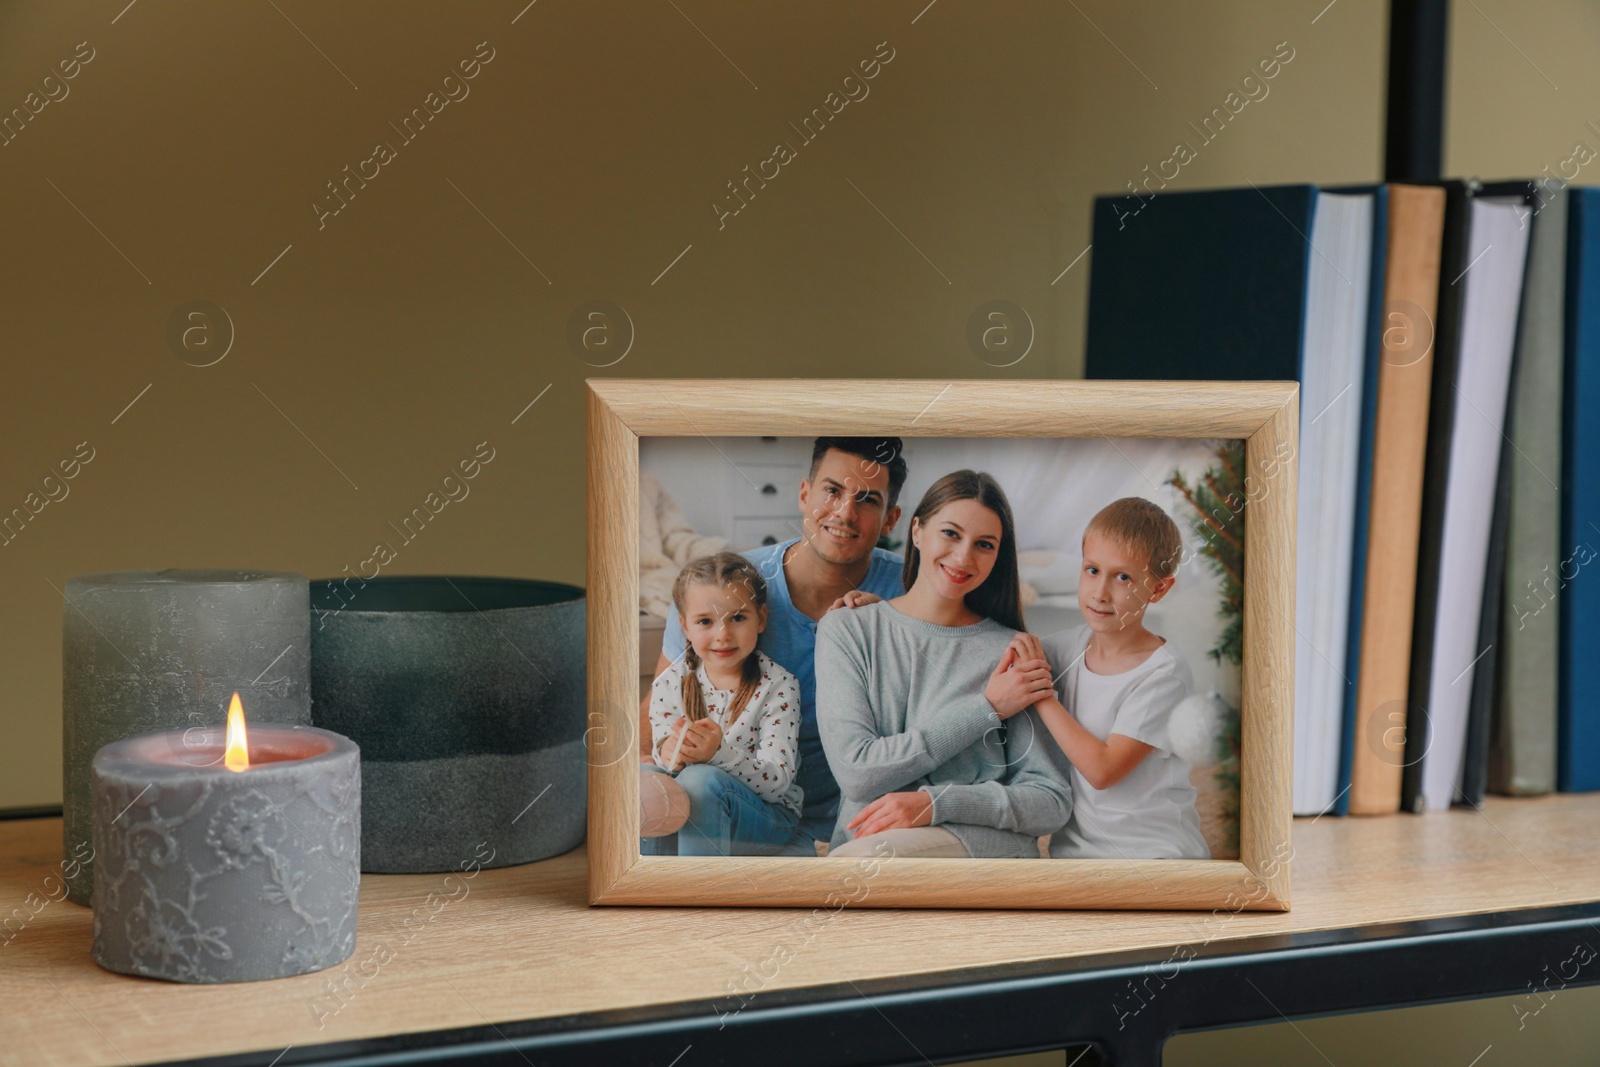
(726, 818)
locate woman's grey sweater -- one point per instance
(900, 706)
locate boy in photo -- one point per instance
(1109, 717)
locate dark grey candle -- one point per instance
(467, 697)
(206, 874)
(153, 650)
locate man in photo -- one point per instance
(847, 502)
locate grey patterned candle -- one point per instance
(156, 650)
(216, 867)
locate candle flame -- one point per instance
(237, 755)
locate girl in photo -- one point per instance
(925, 722)
(724, 722)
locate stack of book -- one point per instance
(1447, 343)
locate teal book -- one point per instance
(1578, 745)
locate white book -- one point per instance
(1497, 253)
(1333, 357)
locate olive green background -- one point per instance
(394, 337)
(373, 351)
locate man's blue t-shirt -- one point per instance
(791, 639)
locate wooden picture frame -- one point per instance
(1263, 414)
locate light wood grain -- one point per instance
(1263, 413)
(613, 641)
(523, 942)
(1394, 516)
(938, 408)
(1266, 706)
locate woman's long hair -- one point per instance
(724, 570)
(1000, 596)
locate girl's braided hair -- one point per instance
(723, 570)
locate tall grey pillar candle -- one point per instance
(154, 650)
(206, 874)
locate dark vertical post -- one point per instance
(1414, 131)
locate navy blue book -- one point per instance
(1266, 284)
(1578, 727)
(1200, 285)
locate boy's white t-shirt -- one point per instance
(761, 748)
(1150, 813)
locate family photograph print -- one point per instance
(940, 647)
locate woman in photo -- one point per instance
(931, 738)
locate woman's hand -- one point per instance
(892, 811)
(855, 598)
(1017, 684)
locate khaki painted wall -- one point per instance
(1524, 85)
(385, 344)
(410, 327)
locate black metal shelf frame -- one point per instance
(1126, 1005)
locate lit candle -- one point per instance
(226, 854)
(158, 650)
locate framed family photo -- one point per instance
(901, 643)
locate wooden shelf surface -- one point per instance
(521, 943)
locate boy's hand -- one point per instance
(855, 598)
(892, 811)
(1028, 647)
(1017, 684)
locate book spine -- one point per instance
(1416, 227)
(1441, 427)
(1578, 744)
(1376, 311)
(1475, 761)
(1522, 750)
